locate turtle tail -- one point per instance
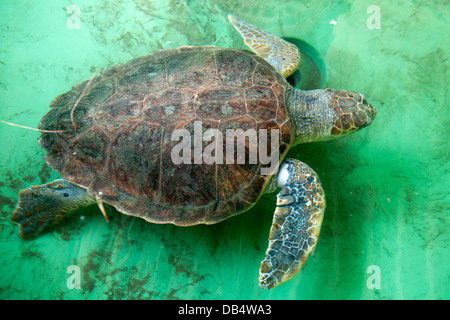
(43, 206)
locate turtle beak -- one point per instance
(369, 110)
(365, 115)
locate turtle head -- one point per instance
(352, 112)
(325, 114)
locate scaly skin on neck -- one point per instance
(324, 114)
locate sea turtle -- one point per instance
(124, 138)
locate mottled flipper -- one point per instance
(296, 223)
(42, 206)
(282, 55)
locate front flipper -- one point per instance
(296, 223)
(42, 206)
(282, 55)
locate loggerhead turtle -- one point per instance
(111, 139)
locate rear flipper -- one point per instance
(43, 206)
(296, 223)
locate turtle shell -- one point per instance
(116, 133)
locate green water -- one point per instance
(387, 186)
